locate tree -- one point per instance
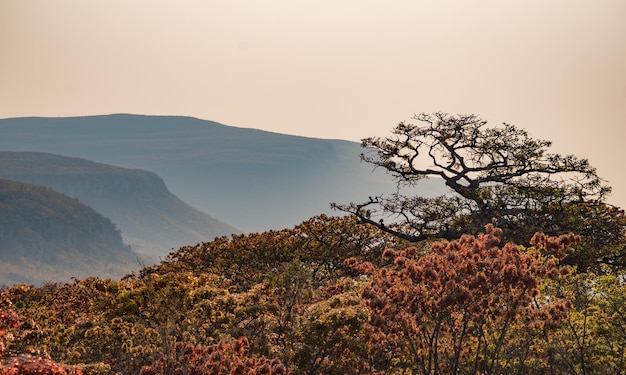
(331, 332)
(469, 306)
(494, 174)
(593, 338)
(603, 231)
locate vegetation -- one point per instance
(270, 303)
(333, 296)
(151, 219)
(46, 235)
(494, 174)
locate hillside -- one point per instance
(152, 220)
(47, 236)
(251, 179)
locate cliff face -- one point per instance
(80, 178)
(152, 220)
(98, 188)
(47, 236)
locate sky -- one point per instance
(341, 69)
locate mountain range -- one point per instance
(251, 179)
(152, 220)
(158, 178)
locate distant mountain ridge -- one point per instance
(152, 220)
(47, 236)
(251, 179)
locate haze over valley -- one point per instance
(151, 219)
(224, 180)
(251, 179)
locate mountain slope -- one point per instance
(252, 179)
(152, 220)
(47, 236)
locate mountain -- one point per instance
(251, 179)
(152, 220)
(47, 236)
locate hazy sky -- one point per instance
(342, 69)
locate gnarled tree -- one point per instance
(494, 174)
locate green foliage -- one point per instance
(331, 330)
(593, 338)
(603, 231)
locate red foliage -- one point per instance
(452, 310)
(27, 365)
(227, 358)
(8, 319)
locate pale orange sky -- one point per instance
(341, 69)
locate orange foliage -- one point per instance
(228, 358)
(453, 310)
(26, 364)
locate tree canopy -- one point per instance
(494, 174)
